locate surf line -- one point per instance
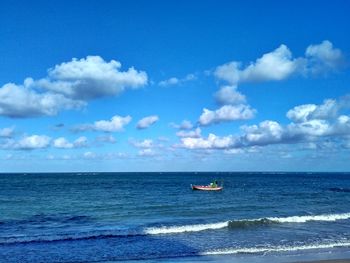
(244, 223)
(257, 250)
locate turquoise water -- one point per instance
(104, 217)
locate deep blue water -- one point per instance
(100, 217)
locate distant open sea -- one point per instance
(156, 217)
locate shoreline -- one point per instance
(325, 261)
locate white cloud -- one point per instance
(226, 113)
(168, 82)
(105, 139)
(147, 122)
(192, 134)
(89, 155)
(309, 128)
(276, 65)
(267, 132)
(91, 77)
(329, 109)
(212, 142)
(115, 124)
(176, 81)
(229, 95)
(22, 102)
(185, 125)
(28, 143)
(147, 143)
(341, 125)
(311, 123)
(81, 142)
(147, 153)
(229, 72)
(7, 132)
(301, 113)
(68, 86)
(234, 151)
(324, 57)
(62, 143)
(280, 64)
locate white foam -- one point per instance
(185, 228)
(303, 219)
(256, 250)
(219, 225)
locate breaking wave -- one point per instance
(258, 250)
(176, 229)
(185, 228)
(244, 223)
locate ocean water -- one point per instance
(151, 217)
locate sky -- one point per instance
(109, 86)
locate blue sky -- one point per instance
(174, 86)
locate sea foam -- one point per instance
(243, 223)
(258, 250)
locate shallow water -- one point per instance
(151, 216)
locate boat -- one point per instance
(206, 187)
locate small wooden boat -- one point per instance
(206, 187)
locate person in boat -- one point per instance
(214, 184)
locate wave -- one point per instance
(65, 237)
(259, 250)
(185, 228)
(304, 219)
(177, 229)
(244, 223)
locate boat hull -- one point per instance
(206, 188)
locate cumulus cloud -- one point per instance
(212, 142)
(185, 125)
(310, 123)
(280, 64)
(63, 143)
(229, 95)
(7, 132)
(34, 142)
(20, 101)
(68, 86)
(81, 142)
(267, 132)
(302, 113)
(275, 65)
(147, 122)
(309, 128)
(229, 72)
(147, 153)
(147, 143)
(226, 113)
(27, 143)
(105, 139)
(91, 77)
(115, 124)
(176, 81)
(192, 134)
(323, 57)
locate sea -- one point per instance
(157, 217)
